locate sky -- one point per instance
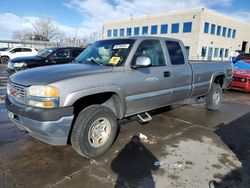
(82, 17)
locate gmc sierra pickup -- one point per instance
(80, 103)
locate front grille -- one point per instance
(17, 93)
(237, 79)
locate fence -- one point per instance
(39, 45)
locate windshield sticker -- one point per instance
(114, 60)
(121, 46)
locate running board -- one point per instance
(145, 117)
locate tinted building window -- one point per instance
(175, 28)
(144, 30)
(164, 28)
(187, 27)
(234, 34)
(224, 31)
(121, 32)
(115, 32)
(221, 52)
(136, 30)
(154, 29)
(203, 51)
(206, 27)
(216, 52)
(229, 31)
(187, 50)
(212, 29)
(129, 31)
(226, 52)
(218, 30)
(109, 33)
(175, 53)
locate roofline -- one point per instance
(194, 10)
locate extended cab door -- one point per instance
(181, 71)
(147, 88)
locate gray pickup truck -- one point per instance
(80, 103)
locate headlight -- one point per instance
(43, 96)
(19, 65)
(43, 91)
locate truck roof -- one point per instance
(144, 37)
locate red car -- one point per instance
(241, 76)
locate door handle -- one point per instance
(167, 74)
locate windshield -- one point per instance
(106, 52)
(46, 52)
(242, 65)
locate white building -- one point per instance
(206, 34)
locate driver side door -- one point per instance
(148, 88)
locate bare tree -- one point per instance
(22, 35)
(46, 29)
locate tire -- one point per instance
(5, 59)
(213, 99)
(86, 139)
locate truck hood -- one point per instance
(49, 74)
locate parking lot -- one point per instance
(183, 146)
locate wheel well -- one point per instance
(5, 56)
(220, 80)
(108, 99)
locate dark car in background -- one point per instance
(48, 56)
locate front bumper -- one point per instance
(241, 86)
(52, 129)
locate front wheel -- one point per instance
(94, 131)
(5, 60)
(213, 99)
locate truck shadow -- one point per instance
(236, 135)
(134, 164)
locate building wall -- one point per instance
(196, 39)
(223, 42)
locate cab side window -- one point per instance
(151, 49)
(175, 53)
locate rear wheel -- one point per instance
(94, 131)
(213, 99)
(5, 60)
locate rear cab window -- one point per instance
(175, 52)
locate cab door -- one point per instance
(147, 88)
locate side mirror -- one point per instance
(142, 61)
